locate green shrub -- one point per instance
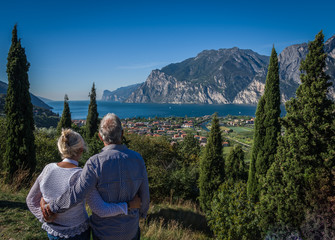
(161, 161)
(46, 147)
(184, 182)
(233, 215)
(94, 146)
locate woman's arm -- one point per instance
(33, 200)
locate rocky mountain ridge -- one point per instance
(212, 77)
(226, 76)
(120, 94)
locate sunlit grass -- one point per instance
(175, 220)
(16, 222)
(167, 220)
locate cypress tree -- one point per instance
(271, 118)
(92, 116)
(300, 181)
(234, 165)
(20, 147)
(259, 132)
(267, 129)
(211, 172)
(65, 121)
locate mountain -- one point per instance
(213, 76)
(34, 100)
(289, 64)
(226, 76)
(120, 94)
(46, 100)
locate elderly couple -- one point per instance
(114, 184)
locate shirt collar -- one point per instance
(115, 146)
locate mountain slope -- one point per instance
(211, 77)
(120, 94)
(34, 100)
(227, 76)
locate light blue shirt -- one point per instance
(118, 174)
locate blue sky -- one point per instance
(71, 44)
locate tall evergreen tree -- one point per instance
(92, 116)
(259, 133)
(235, 166)
(301, 179)
(20, 146)
(211, 166)
(267, 129)
(65, 121)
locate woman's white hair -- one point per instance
(111, 129)
(70, 144)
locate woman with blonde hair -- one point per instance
(55, 179)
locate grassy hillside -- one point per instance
(166, 221)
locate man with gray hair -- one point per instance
(118, 174)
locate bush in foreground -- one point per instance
(233, 215)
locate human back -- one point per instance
(115, 173)
(51, 183)
(122, 175)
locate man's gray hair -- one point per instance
(111, 129)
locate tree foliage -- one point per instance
(161, 160)
(259, 134)
(94, 146)
(2, 141)
(92, 116)
(186, 173)
(235, 166)
(190, 149)
(20, 147)
(46, 147)
(65, 121)
(170, 173)
(211, 172)
(267, 129)
(301, 180)
(232, 214)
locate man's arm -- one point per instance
(144, 194)
(102, 208)
(77, 192)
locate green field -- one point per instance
(242, 135)
(242, 129)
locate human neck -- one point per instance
(72, 161)
(65, 164)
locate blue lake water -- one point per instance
(79, 109)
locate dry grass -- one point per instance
(167, 220)
(172, 230)
(175, 220)
(21, 179)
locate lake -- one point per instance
(79, 109)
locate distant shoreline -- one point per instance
(79, 109)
